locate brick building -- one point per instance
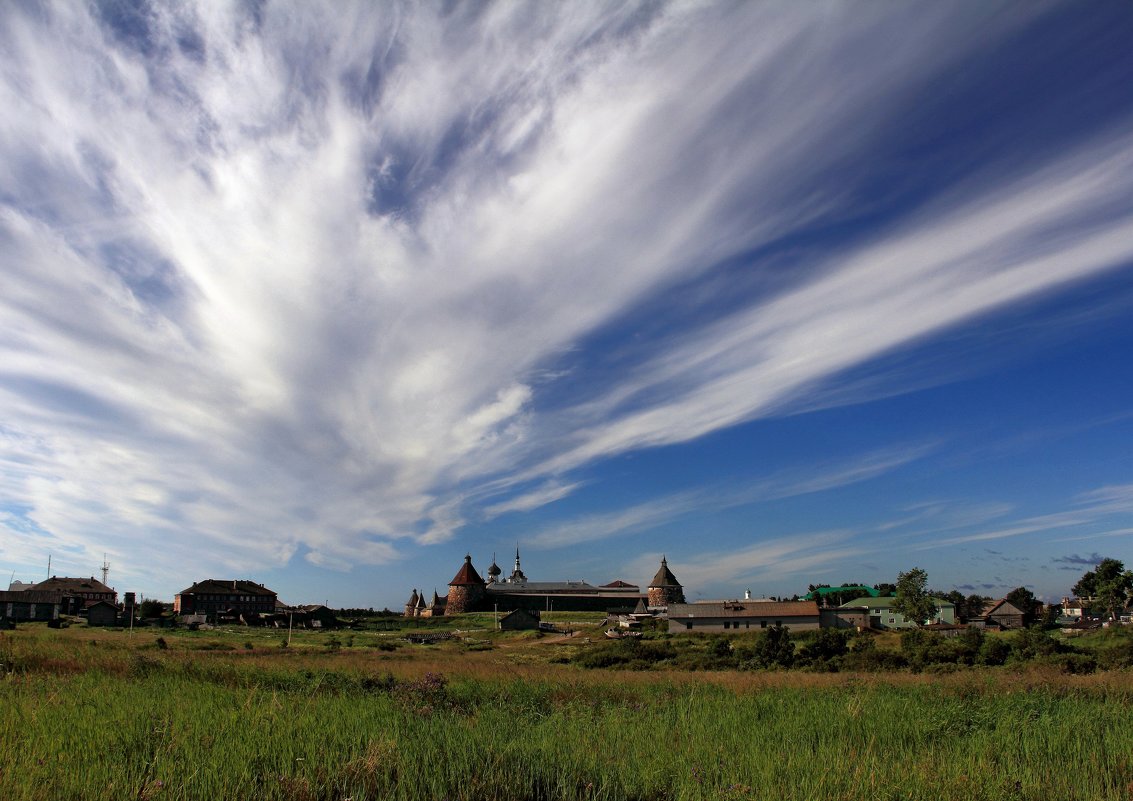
(223, 596)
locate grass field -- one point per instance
(91, 714)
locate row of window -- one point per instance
(227, 597)
(735, 624)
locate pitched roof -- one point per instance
(228, 586)
(67, 584)
(619, 584)
(888, 601)
(467, 574)
(31, 596)
(642, 607)
(1000, 607)
(664, 577)
(730, 609)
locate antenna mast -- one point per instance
(49, 565)
(105, 569)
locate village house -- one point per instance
(835, 617)
(1075, 608)
(883, 616)
(77, 593)
(223, 596)
(102, 613)
(1001, 614)
(745, 615)
(30, 605)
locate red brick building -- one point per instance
(213, 596)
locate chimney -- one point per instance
(747, 595)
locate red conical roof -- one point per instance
(466, 575)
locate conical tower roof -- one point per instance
(467, 574)
(642, 608)
(413, 598)
(664, 577)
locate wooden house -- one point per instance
(1001, 614)
(102, 613)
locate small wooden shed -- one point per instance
(520, 620)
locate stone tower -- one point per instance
(665, 589)
(466, 591)
(411, 604)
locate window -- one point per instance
(763, 624)
(688, 624)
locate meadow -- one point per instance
(96, 714)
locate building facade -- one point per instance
(883, 616)
(30, 605)
(223, 596)
(743, 615)
(78, 593)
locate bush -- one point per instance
(994, 651)
(872, 660)
(1078, 664)
(1033, 643)
(772, 649)
(825, 646)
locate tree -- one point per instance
(913, 601)
(1109, 585)
(1023, 600)
(974, 605)
(773, 648)
(150, 608)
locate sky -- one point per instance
(328, 295)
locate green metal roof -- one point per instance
(848, 588)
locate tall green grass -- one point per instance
(136, 721)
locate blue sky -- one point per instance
(327, 295)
